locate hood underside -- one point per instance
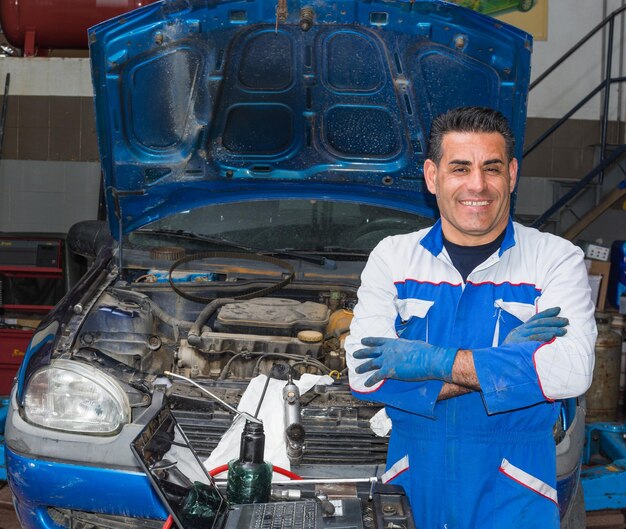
(200, 102)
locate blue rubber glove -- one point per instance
(409, 360)
(542, 327)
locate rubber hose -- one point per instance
(193, 337)
(154, 308)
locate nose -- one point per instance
(476, 181)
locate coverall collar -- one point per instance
(433, 241)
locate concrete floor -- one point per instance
(8, 519)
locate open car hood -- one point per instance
(204, 101)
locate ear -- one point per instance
(513, 167)
(430, 175)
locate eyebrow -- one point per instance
(467, 162)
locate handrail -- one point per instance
(569, 114)
(580, 185)
(607, 92)
(576, 46)
(607, 201)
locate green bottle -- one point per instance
(249, 477)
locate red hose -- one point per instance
(168, 522)
(278, 470)
(218, 470)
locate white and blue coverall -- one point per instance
(485, 459)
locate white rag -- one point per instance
(380, 423)
(272, 415)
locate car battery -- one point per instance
(13, 344)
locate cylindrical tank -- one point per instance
(617, 325)
(603, 395)
(617, 277)
(58, 24)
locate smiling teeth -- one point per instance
(474, 203)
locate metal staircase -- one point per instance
(610, 155)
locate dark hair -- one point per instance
(468, 119)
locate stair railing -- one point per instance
(604, 87)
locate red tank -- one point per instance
(57, 24)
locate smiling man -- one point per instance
(472, 176)
(468, 332)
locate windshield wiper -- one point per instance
(311, 258)
(182, 234)
(340, 250)
(189, 235)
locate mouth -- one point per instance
(475, 203)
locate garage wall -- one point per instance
(49, 172)
(46, 196)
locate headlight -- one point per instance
(76, 398)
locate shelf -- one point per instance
(39, 309)
(31, 271)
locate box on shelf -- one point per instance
(21, 321)
(599, 276)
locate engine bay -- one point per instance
(146, 326)
(248, 337)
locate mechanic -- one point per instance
(468, 332)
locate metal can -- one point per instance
(617, 325)
(603, 395)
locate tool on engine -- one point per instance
(372, 480)
(294, 431)
(243, 414)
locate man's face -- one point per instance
(473, 184)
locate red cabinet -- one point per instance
(31, 283)
(13, 344)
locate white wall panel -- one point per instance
(47, 76)
(569, 21)
(45, 196)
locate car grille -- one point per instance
(338, 436)
(87, 520)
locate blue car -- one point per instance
(253, 153)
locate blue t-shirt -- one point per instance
(466, 258)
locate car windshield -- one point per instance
(301, 225)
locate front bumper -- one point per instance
(37, 485)
(47, 470)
